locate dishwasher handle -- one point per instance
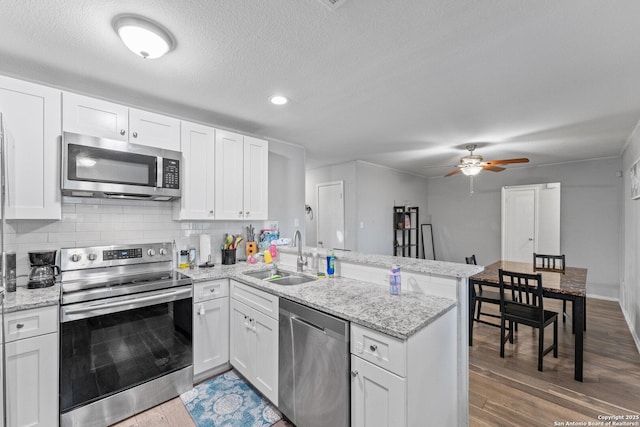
(307, 323)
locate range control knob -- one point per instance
(151, 252)
(75, 257)
(92, 257)
(163, 251)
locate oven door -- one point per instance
(115, 344)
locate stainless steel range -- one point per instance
(126, 332)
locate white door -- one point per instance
(32, 381)
(242, 339)
(266, 373)
(519, 223)
(94, 117)
(229, 175)
(154, 130)
(377, 396)
(211, 334)
(331, 214)
(256, 178)
(198, 145)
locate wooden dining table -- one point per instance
(570, 286)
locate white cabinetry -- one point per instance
(31, 121)
(197, 146)
(210, 328)
(241, 176)
(103, 119)
(396, 383)
(254, 337)
(32, 367)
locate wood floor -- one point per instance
(511, 391)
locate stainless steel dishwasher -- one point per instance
(314, 383)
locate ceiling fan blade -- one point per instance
(493, 168)
(453, 172)
(507, 161)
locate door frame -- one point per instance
(327, 184)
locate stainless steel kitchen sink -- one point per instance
(292, 280)
(266, 274)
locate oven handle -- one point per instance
(132, 303)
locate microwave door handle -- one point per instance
(159, 163)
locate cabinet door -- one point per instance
(377, 396)
(94, 117)
(154, 130)
(32, 381)
(242, 339)
(31, 120)
(229, 175)
(211, 334)
(266, 371)
(198, 147)
(256, 178)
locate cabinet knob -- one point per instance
(210, 212)
(354, 374)
(240, 213)
(122, 132)
(135, 134)
(373, 347)
(19, 326)
(247, 213)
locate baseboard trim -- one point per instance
(630, 325)
(602, 297)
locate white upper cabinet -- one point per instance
(154, 130)
(103, 119)
(31, 121)
(241, 176)
(94, 117)
(256, 178)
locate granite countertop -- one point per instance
(25, 299)
(415, 265)
(361, 302)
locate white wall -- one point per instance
(590, 216)
(630, 286)
(371, 191)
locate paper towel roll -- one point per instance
(205, 248)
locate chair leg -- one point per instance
(502, 338)
(555, 338)
(564, 311)
(511, 328)
(479, 309)
(540, 348)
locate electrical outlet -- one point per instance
(296, 222)
(361, 224)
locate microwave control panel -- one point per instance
(170, 173)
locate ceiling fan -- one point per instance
(472, 164)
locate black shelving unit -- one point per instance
(406, 231)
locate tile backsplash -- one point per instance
(91, 222)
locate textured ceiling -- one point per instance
(402, 83)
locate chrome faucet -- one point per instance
(297, 241)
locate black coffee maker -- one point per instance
(43, 269)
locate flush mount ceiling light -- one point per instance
(142, 36)
(278, 100)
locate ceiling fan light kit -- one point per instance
(472, 164)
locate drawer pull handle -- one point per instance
(373, 347)
(354, 374)
(19, 326)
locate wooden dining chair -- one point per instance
(555, 264)
(483, 294)
(526, 306)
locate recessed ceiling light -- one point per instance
(142, 36)
(278, 100)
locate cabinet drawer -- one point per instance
(380, 349)
(262, 301)
(204, 291)
(30, 323)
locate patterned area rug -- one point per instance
(228, 401)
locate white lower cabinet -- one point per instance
(210, 328)
(254, 338)
(377, 396)
(32, 367)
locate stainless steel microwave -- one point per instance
(105, 168)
